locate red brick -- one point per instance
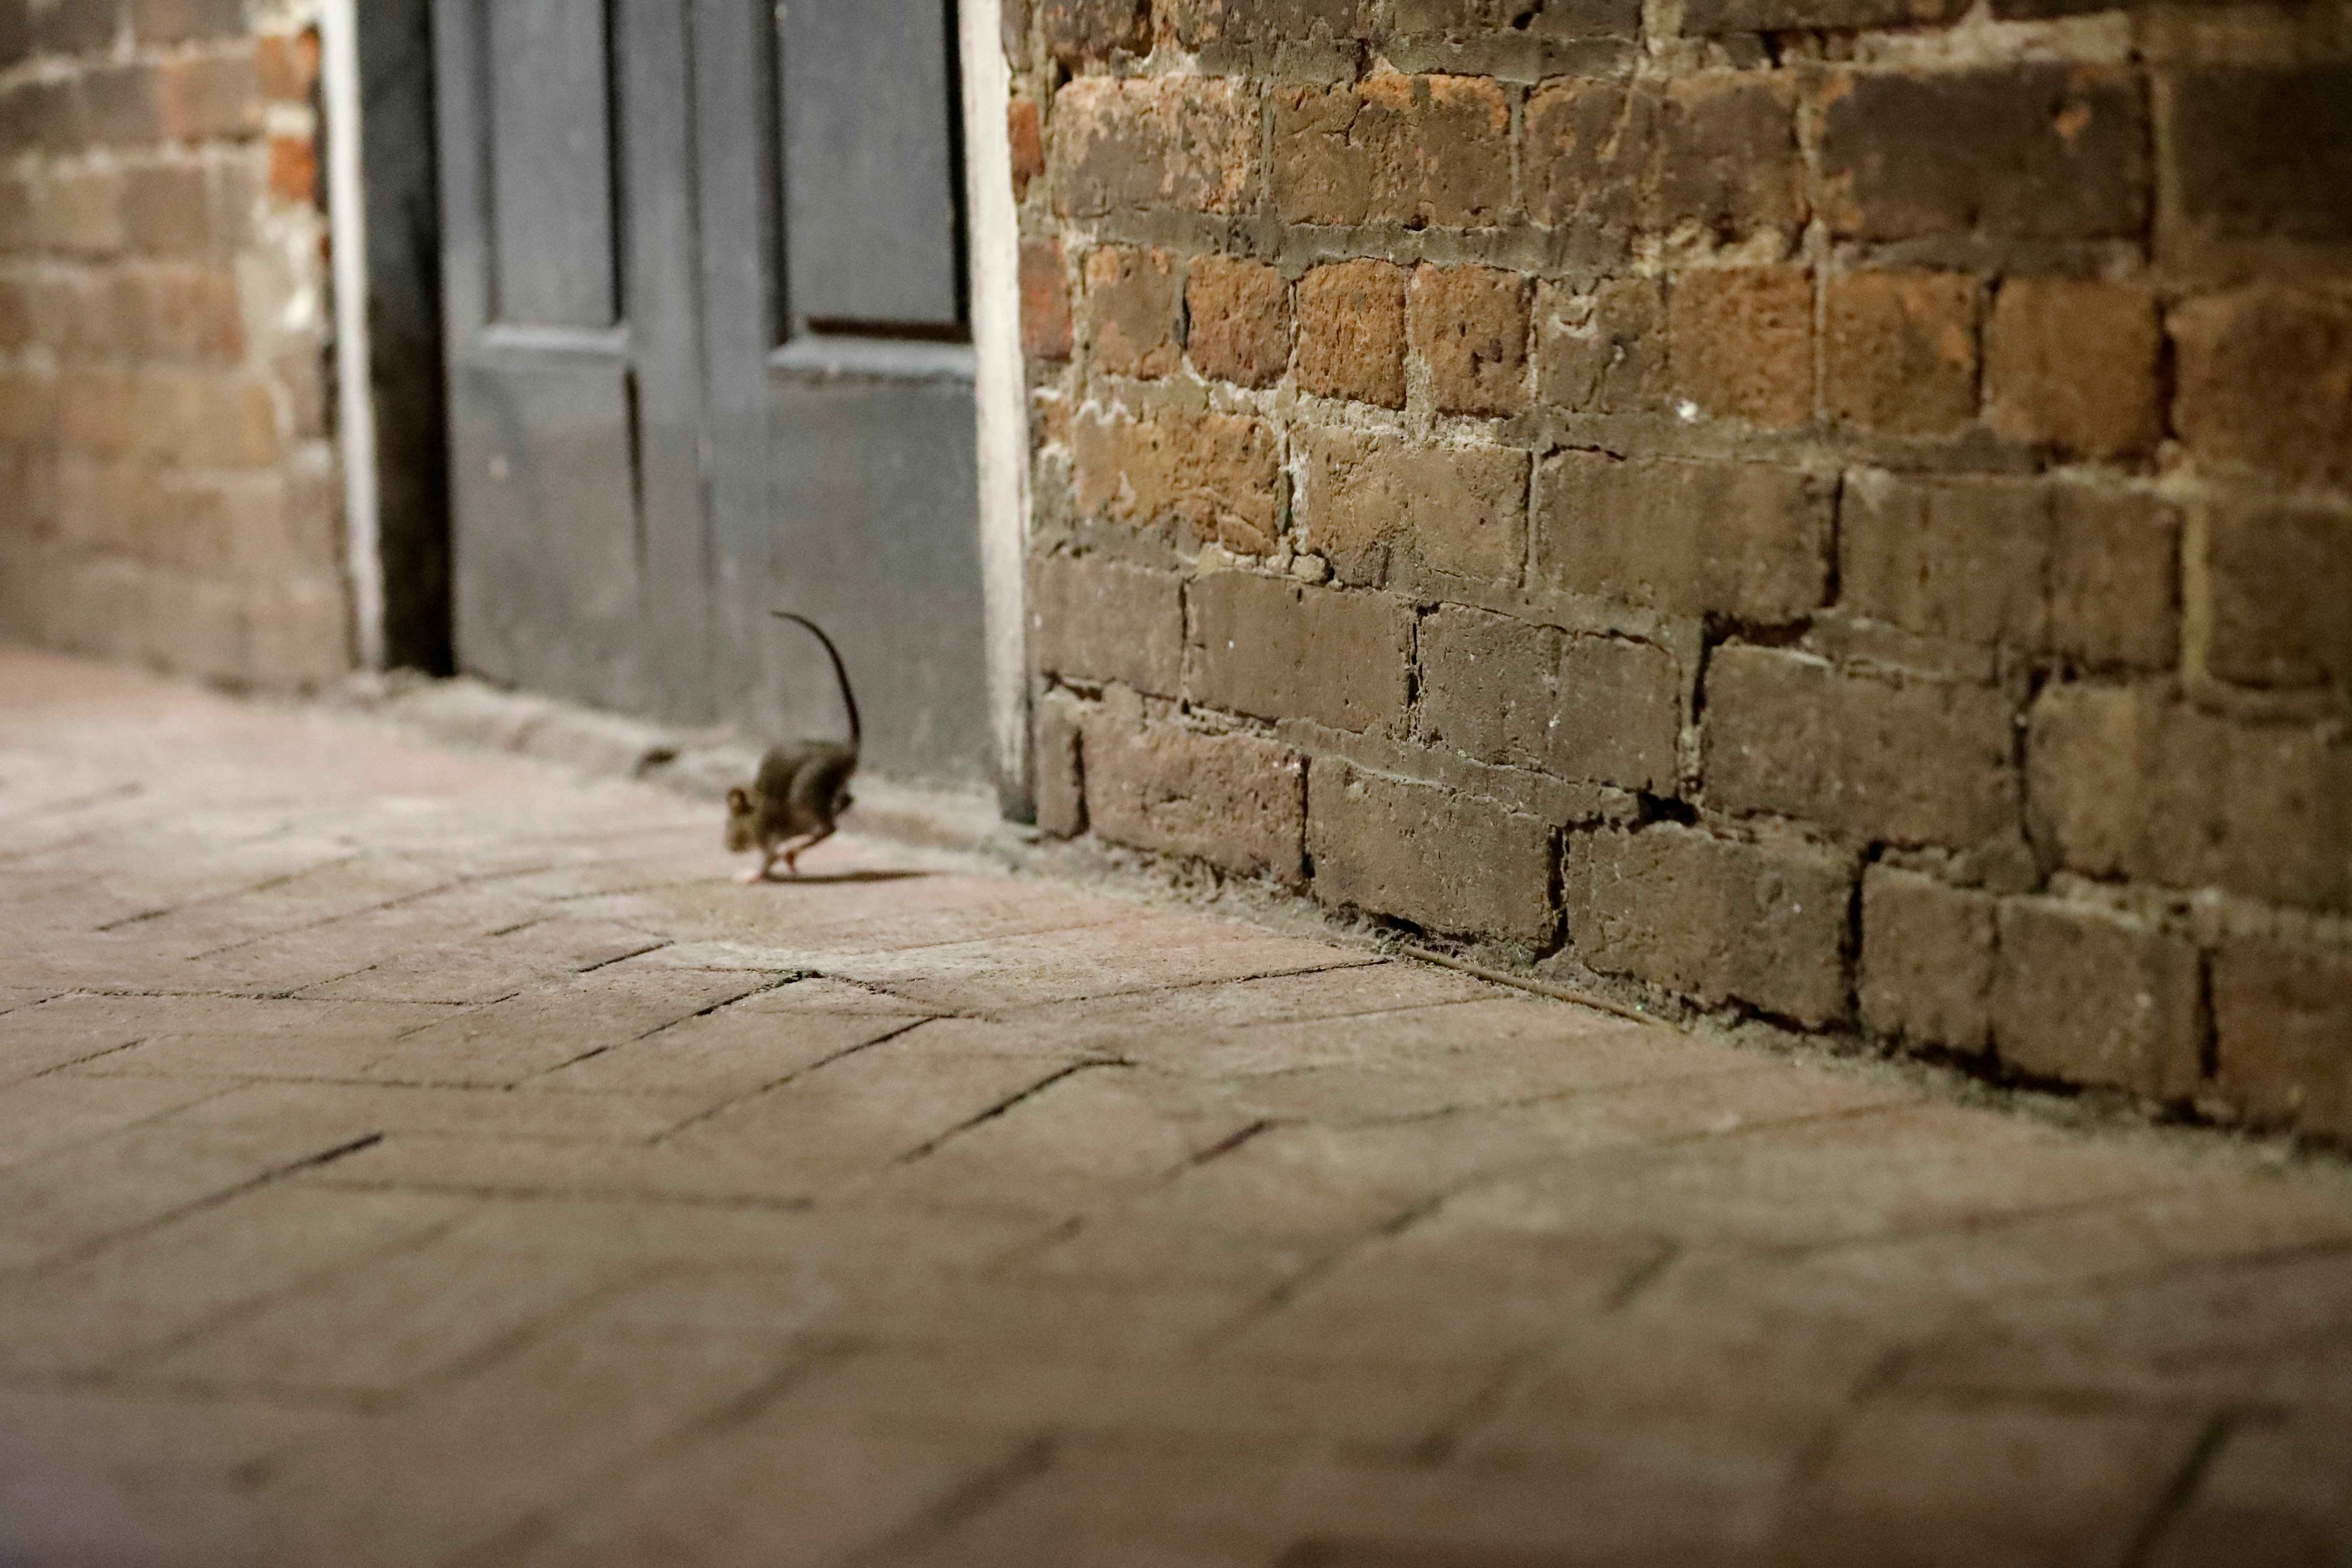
(1046, 330)
(1189, 143)
(87, 212)
(1899, 351)
(1427, 150)
(1442, 860)
(1890, 758)
(2125, 781)
(1239, 319)
(1605, 351)
(287, 64)
(201, 98)
(2282, 1024)
(1461, 511)
(1078, 31)
(17, 223)
(2083, 571)
(1025, 129)
(186, 21)
(1217, 474)
(1503, 691)
(1585, 19)
(1351, 331)
(2262, 151)
(1097, 620)
(2072, 364)
(1719, 919)
(1927, 961)
(2094, 997)
(1469, 325)
(188, 313)
(2054, 152)
(1134, 300)
(2264, 377)
(78, 26)
(2277, 583)
(1743, 342)
(97, 409)
(1235, 801)
(294, 170)
(1225, 25)
(1716, 153)
(1747, 540)
(169, 210)
(1275, 649)
(15, 315)
(1710, 17)
(123, 105)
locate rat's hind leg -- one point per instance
(791, 856)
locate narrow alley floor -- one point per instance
(414, 1158)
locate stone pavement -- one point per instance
(407, 1158)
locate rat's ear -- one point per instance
(739, 800)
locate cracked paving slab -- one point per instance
(419, 1158)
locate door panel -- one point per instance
(549, 88)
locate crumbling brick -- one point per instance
(1079, 31)
(1058, 783)
(1276, 649)
(2264, 378)
(1134, 299)
(1719, 919)
(1046, 333)
(1215, 24)
(1215, 474)
(1749, 539)
(1927, 960)
(2072, 364)
(1430, 151)
(1457, 510)
(2262, 151)
(1502, 690)
(2277, 582)
(1605, 351)
(1899, 351)
(2094, 997)
(1186, 143)
(1235, 801)
(1743, 342)
(2282, 1030)
(1351, 331)
(1239, 320)
(1098, 620)
(1469, 325)
(1891, 758)
(1441, 861)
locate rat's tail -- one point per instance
(848, 697)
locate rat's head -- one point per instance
(742, 820)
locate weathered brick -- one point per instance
(1217, 474)
(1879, 757)
(1503, 691)
(1134, 300)
(1710, 17)
(2264, 377)
(1235, 801)
(201, 97)
(1238, 313)
(2283, 1026)
(287, 64)
(1927, 960)
(1426, 151)
(2262, 151)
(2091, 996)
(186, 21)
(2072, 362)
(2052, 151)
(16, 31)
(2067, 568)
(17, 221)
(1046, 332)
(2127, 781)
(123, 105)
(1715, 152)
(1059, 786)
(1351, 331)
(98, 408)
(1747, 540)
(171, 210)
(1221, 24)
(1457, 509)
(1605, 351)
(187, 312)
(1098, 620)
(1547, 19)
(2277, 583)
(1441, 861)
(1187, 142)
(1469, 325)
(28, 408)
(1743, 342)
(1078, 31)
(87, 212)
(1899, 351)
(77, 27)
(1276, 649)
(1719, 919)
(1024, 131)
(294, 171)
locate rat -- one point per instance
(796, 799)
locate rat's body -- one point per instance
(796, 799)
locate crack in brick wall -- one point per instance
(1832, 510)
(167, 489)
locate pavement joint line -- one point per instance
(1000, 1108)
(267, 885)
(100, 1244)
(1537, 988)
(1969, 1224)
(624, 957)
(992, 1485)
(1458, 1426)
(1645, 1274)
(709, 1113)
(503, 1192)
(85, 1061)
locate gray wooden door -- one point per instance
(707, 329)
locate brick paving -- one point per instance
(411, 1158)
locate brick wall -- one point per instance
(167, 493)
(1833, 510)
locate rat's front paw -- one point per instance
(751, 876)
